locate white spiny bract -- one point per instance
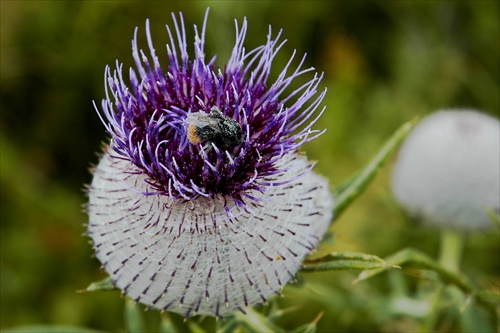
(198, 227)
(448, 170)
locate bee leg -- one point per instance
(206, 148)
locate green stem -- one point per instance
(449, 258)
(450, 255)
(352, 188)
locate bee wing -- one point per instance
(201, 119)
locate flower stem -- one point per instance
(450, 255)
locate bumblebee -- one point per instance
(213, 127)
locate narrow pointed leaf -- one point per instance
(309, 327)
(414, 258)
(281, 312)
(104, 284)
(344, 261)
(352, 188)
(255, 322)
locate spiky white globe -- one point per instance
(448, 170)
(195, 257)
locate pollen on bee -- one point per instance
(191, 134)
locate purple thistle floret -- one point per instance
(186, 223)
(147, 120)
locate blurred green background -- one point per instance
(385, 62)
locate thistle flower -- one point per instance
(201, 203)
(447, 171)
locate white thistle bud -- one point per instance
(448, 170)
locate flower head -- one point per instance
(447, 171)
(202, 203)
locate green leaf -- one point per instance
(133, 317)
(490, 300)
(414, 258)
(256, 322)
(278, 313)
(352, 188)
(179, 322)
(344, 261)
(105, 284)
(195, 328)
(489, 297)
(309, 327)
(411, 258)
(228, 325)
(166, 325)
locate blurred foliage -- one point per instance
(384, 62)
